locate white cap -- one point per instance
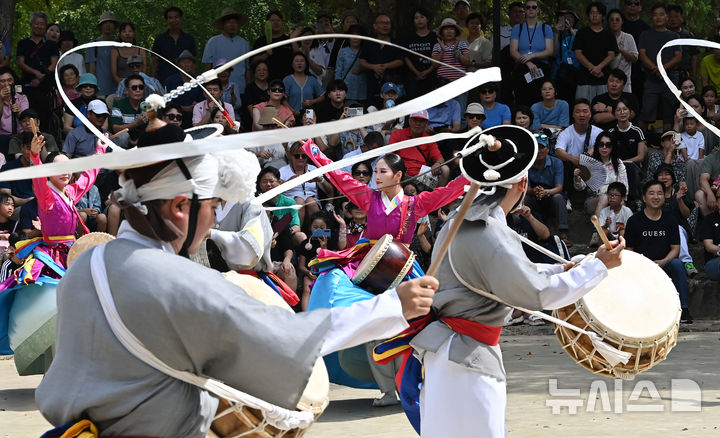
(98, 107)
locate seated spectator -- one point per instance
(348, 141)
(627, 49)
(668, 154)
(355, 225)
(7, 224)
(268, 179)
(522, 117)
(654, 234)
(479, 47)
(217, 116)
(21, 190)
(698, 104)
(274, 154)
(277, 99)
(201, 111)
(256, 90)
(631, 145)
(603, 151)
(614, 217)
(693, 142)
(172, 114)
(89, 209)
(575, 140)
(421, 41)
(389, 95)
(496, 113)
(372, 140)
(712, 109)
(709, 235)
(706, 196)
(550, 112)
(545, 188)
(474, 116)
(424, 155)
(88, 88)
(347, 67)
(333, 107)
(381, 62)
(28, 221)
(710, 66)
(13, 103)
(127, 113)
(121, 57)
(302, 89)
(603, 104)
(281, 255)
(135, 66)
(69, 80)
(187, 100)
(444, 117)
(26, 118)
(305, 194)
(67, 42)
(687, 88)
(454, 54)
(679, 204)
(231, 92)
(81, 142)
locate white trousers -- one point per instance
(456, 401)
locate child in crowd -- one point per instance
(613, 217)
(89, 207)
(7, 225)
(356, 223)
(321, 237)
(693, 142)
(10, 261)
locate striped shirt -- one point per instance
(450, 56)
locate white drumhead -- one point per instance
(315, 397)
(369, 260)
(637, 300)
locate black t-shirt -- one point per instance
(421, 45)
(652, 238)
(375, 53)
(628, 141)
(609, 101)
(28, 213)
(38, 56)
(279, 63)
(595, 46)
(635, 28)
(710, 229)
(325, 112)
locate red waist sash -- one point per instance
(486, 334)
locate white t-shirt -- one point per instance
(616, 219)
(693, 144)
(573, 143)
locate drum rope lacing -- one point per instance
(610, 353)
(275, 416)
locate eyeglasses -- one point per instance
(487, 91)
(531, 6)
(605, 144)
(614, 195)
(138, 87)
(177, 117)
(277, 90)
(300, 156)
(475, 116)
(361, 173)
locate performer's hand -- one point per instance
(37, 143)
(568, 266)
(611, 258)
(416, 296)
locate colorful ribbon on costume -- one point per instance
(410, 374)
(275, 283)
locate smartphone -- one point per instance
(354, 112)
(18, 89)
(322, 232)
(309, 113)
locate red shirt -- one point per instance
(415, 157)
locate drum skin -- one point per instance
(315, 397)
(636, 309)
(384, 266)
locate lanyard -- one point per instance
(531, 37)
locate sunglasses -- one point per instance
(300, 156)
(531, 6)
(475, 116)
(87, 86)
(487, 91)
(361, 173)
(542, 137)
(605, 144)
(177, 117)
(277, 90)
(138, 87)
(101, 116)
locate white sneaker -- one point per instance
(534, 320)
(568, 206)
(514, 321)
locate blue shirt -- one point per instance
(310, 90)
(550, 175)
(101, 57)
(188, 98)
(558, 115)
(220, 46)
(80, 142)
(23, 188)
(347, 60)
(496, 116)
(531, 40)
(444, 114)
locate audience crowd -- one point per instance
(612, 137)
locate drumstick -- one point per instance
(118, 134)
(601, 232)
(34, 127)
(462, 211)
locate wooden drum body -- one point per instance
(636, 309)
(233, 421)
(384, 266)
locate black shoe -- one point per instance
(685, 317)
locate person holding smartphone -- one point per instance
(12, 104)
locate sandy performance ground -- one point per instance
(680, 397)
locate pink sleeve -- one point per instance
(357, 192)
(45, 199)
(78, 189)
(426, 202)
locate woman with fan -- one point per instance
(603, 167)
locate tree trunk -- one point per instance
(7, 16)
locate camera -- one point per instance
(321, 233)
(353, 112)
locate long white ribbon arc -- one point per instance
(671, 85)
(144, 156)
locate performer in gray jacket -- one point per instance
(189, 316)
(463, 393)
